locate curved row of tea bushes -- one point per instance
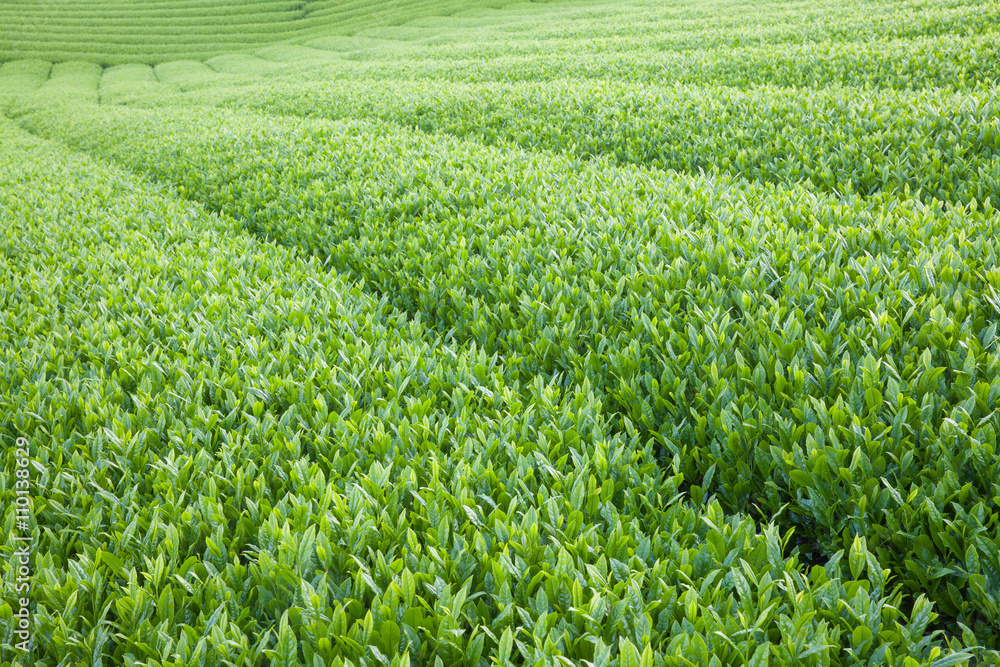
(19, 78)
(828, 361)
(930, 145)
(954, 62)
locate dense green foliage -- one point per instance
(633, 334)
(155, 31)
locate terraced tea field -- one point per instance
(475, 333)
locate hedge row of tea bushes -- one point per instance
(20, 78)
(829, 361)
(240, 459)
(928, 144)
(77, 80)
(950, 61)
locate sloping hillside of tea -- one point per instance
(466, 333)
(150, 32)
